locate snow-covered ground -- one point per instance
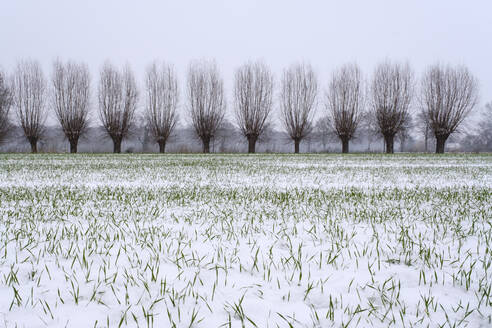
(245, 241)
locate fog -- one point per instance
(325, 33)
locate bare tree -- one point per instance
(144, 134)
(206, 102)
(162, 102)
(298, 93)
(391, 91)
(71, 99)
(253, 90)
(118, 96)
(404, 135)
(480, 138)
(28, 88)
(5, 104)
(448, 94)
(485, 128)
(369, 128)
(322, 131)
(424, 126)
(344, 102)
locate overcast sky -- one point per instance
(325, 33)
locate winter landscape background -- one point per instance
(364, 227)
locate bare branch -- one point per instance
(28, 87)
(392, 92)
(162, 101)
(344, 102)
(5, 105)
(448, 94)
(298, 94)
(253, 91)
(71, 99)
(206, 102)
(424, 126)
(118, 96)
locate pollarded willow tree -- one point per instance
(118, 97)
(29, 91)
(206, 102)
(344, 102)
(448, 94)
(299, 89)
(253, 92)
(5, 105)
(162, 102)
(71, 99)
(391, 93)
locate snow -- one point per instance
(236, 240)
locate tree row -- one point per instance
(444, 97)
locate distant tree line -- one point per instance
(389, 106)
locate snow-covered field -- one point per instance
(245, 241)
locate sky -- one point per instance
(326, 34)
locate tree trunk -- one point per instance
(440, 143)
(426, 138)
(73, 146)
(251, 144)
(34, 144)
(296, 145)
(206, 145)
(389, 140)
(116, 145)
(345, 145)
(162, 146)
